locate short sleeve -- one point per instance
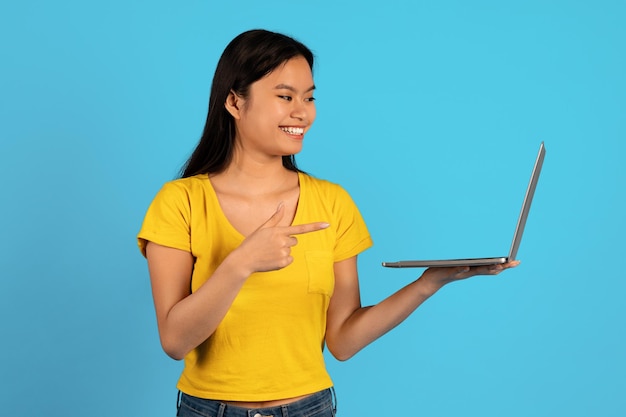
(352, 234)
(167, 221)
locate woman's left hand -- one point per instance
(442, 276)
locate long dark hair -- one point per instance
(247, 58)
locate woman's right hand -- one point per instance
(269, 247)
(185, 320)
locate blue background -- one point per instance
(430, 114)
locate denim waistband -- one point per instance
(314, 404)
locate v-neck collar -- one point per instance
(224, 219)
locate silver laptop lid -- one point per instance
(528, 198)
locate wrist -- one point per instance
(235, 267)
(430, 282)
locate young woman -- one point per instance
(253, 263)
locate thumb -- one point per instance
(276, 217)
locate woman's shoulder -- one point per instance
(323, 187)
(184, 191)
(187, 184)
(320, 183)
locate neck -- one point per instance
(255, 176)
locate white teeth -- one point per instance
(293, 130)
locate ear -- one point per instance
(234, 104)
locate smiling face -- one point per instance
(279, 110)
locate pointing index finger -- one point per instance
(306, 228)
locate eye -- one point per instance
(288, 98)
(310, 99)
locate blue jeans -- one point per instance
(320, 404)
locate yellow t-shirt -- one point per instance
(269, 345)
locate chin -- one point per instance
(293, 150)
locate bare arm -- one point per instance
(185, 320)
(351, 327)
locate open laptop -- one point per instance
(517, 236)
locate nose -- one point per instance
(304, 111)
(298, 111)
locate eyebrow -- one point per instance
(290, 88)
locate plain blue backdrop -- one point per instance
(430, 114)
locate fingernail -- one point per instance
(324, 225)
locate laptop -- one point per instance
(517, 236)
